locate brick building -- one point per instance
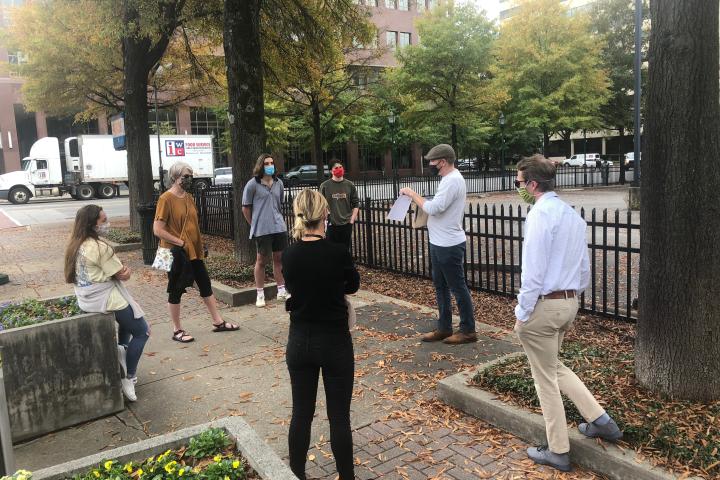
(19, 129)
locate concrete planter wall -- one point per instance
(60, 373)
(236, 297)
(260, 457)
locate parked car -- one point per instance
(223, 176)
(630, 159)
(466, 164)
(303, 174)
(590, 160)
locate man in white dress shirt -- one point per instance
(555, 269)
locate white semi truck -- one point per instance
(93, 168)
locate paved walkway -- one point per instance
(401, 430)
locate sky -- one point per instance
(492, 7)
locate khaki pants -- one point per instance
(541, 337)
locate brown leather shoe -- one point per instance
(435, 336)
(460, 337)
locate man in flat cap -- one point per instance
(447, 247)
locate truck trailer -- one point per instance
(92, 168)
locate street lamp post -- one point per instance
(391, 120)
(638, 92)
(502, 148)
(157, 127)
(585, 157)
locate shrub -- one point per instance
(208, 443)
(31, 311)
(123, 235)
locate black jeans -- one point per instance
(340, 234)
(310, 350)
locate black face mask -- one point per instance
(434, 169)
(187, 184)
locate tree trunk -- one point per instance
(246, 111)
(317, 142)
(454, 136)
(546, 140)
(137, 131)
(678, 333)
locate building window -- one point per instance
(420, 4)
(17, 58)
(403, 5)
(391, 39)
(390, 4)
(204, 121)
(404, 39)
(167, 119)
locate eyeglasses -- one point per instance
(518, 182)
(188, 175)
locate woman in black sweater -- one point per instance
(318, 274)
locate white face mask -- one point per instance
(103, 229)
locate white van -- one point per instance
(589, 160)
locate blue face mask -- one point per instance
(269, 169)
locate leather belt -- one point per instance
(558, 294)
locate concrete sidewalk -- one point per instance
(400, 429)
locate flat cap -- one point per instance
(441, 151)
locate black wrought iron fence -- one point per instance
(494, 249)
(388, 187)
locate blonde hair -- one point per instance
(310, 208)
(177, 169)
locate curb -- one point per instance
(605, 458)
(244, 296)
(123, 247)
(261, 458)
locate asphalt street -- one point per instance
(41, 211)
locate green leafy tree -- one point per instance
(267, 39)
(322, 88)
(445, 80)
(550, 62)
(102, 61)
(614, 22)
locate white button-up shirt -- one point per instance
(555, 253)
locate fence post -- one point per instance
(7, 459)
(396, 184)
(606, 171)
(368, 232)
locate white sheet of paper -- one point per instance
(399, 208)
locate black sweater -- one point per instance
(318, 274)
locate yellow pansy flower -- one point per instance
(139, 472)
(128, 467)
(236, 463)
(96, 473)
(217, 458)
(226, 478)
(108, 465)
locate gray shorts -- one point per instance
(274, 242)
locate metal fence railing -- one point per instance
(387, 188)
(494, 249)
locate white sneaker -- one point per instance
(134, 380)
(260, 302)
(122, 358)
(284, 295)
(128, 388)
